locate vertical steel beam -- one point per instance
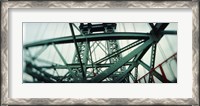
(152, 62)
(136, 74)
(156, 36)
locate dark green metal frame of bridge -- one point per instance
(115, 71)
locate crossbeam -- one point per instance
(91, 37)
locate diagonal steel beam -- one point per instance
(152, 26)
(37, 54)
(135, 62)
(139, 56)
(62, 58)
(160, 26)
(77, 50)
(124, 74)
(134, 65)
(119, 51)
(121, 62)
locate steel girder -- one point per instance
(132, 66)
(84, 50)
(152, 62)
(77, 65)
(120, 51)
(155, 37)
(92, 37)
(78, 52)
(124, 74)
(95, 37)
(121, 62)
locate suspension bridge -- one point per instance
(101, 53)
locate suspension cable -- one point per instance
(169, 44)
(38, 31)
(45, 29)
(162, 52)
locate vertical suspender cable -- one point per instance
(169, 44)
(54, 33)
(38, 31)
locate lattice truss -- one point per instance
(98, 56)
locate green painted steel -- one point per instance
(169, 32)
(120, 51)
(152, 61)
(77, 50)
(121, 62)
(77, 65)
(115, 71)
(124, 74)
(92, 37)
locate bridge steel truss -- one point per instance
(113, 68)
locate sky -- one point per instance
(32, 32)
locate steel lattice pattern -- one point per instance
(102, 52)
